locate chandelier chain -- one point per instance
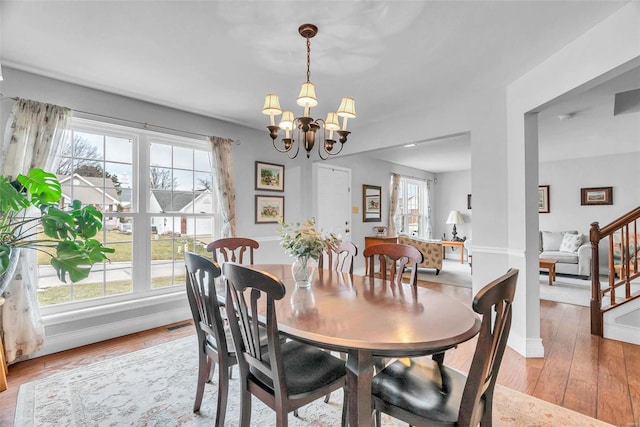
(308, 59)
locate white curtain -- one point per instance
(33, 135)
(428, 217)
(393, 204)
(223, 173)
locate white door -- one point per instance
(333, 189)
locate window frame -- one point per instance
(140, 215)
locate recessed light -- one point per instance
(409, 145)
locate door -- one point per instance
(333, 189)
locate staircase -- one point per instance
(615, 304)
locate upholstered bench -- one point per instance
(431, 250)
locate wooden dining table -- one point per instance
(366, 317)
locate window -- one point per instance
(155, 194)
(413, 208)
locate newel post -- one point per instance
(596, 313)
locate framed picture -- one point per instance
(269, 209)
(596, 196)
(371, 204)
(469, 201)
(269, 176)
(543, 199)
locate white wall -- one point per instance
(611, 46)
(451, 194)
(567, 177)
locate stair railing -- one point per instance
(603, 299)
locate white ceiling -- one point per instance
(219, 58)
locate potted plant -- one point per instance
(67, 236)
(306, 245)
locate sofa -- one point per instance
(570, 249)
(431, 250)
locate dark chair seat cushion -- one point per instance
(416, 386)
(308, 368)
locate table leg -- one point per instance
(461, 254)
(552, 274)
(359, 376)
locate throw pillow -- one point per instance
(571, 242)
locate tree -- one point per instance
(78, 154)
(161, 179)
(205, 184)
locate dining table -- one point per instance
(366, 318)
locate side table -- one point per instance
(454, 244)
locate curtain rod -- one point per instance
(145, 125)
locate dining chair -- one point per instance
(424, 392)
(233, 249)
(340, 257)
(215, 345)
(393, 259)
(285, 375)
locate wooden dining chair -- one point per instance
(285, 375)
(424, 392)
(233, 249)
(215, 345)
(340, 257)
(393, 259)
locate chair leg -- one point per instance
(295, 413)
(223, 393)
(245, 408)
(345, 406)
(204, 374)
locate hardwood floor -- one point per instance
(590, 375)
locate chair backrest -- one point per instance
(395, 257)
(203, 299)
(245, 286)
(340, 257)
(232, 249)
(493, 302)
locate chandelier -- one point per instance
(305, 130)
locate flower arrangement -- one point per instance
(304, 241)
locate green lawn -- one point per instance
(164, 248)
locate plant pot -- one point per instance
(303, 270)
(6, 277)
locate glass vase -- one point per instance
(302, 270)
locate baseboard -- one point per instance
(117, 328)
(527, 347)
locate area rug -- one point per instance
(156, 386)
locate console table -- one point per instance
(376, 240)
(454, 244)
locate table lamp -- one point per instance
(455, 217)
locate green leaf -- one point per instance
(10, 198)
(88, 221)
(58, 224)
(43, 187)
(5, 253)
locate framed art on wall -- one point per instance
(269, 209)
(543, 199)
(371, 205)
(269, 176)
(596, 196)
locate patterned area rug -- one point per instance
(156, 386)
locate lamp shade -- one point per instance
(347, 108)
(287, 121)
(455, 217)
(271, 105)
(307, 96)
(332, 122)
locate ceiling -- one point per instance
(219, 58)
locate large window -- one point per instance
(413, 208)
(155, 193)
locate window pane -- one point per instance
(160, 155)
(182, 158)
(203, 161)
(118, 149)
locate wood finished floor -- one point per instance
(590, 375)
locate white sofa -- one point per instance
(573, 257)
